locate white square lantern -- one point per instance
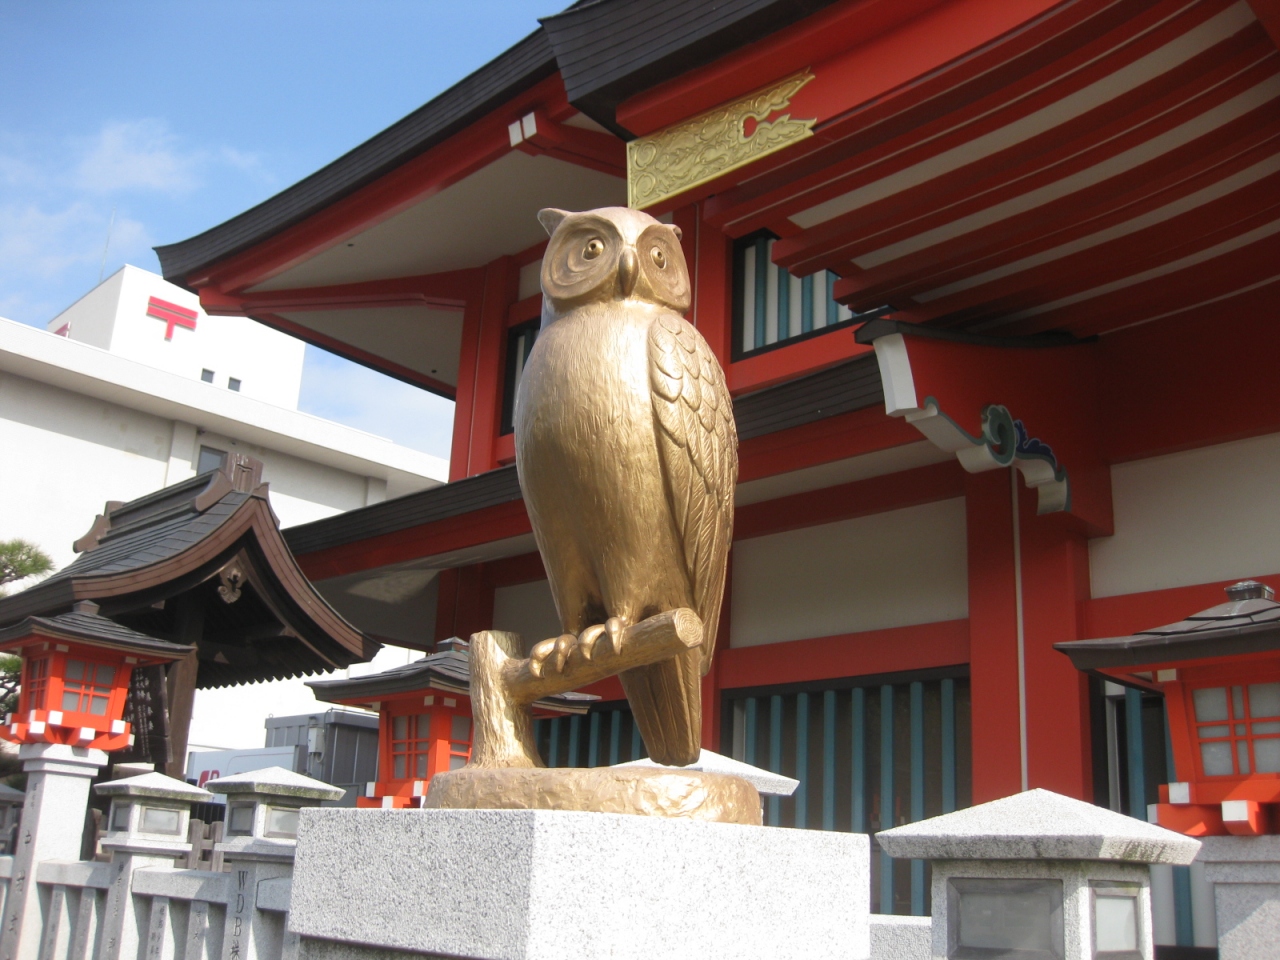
(263, 807)
(150, 814)
(1040, 876)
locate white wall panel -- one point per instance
(63, 456)
(887, 570)
(1192, 517)
(526, 609)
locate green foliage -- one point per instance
(10, 678)
(20, 559)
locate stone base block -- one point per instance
(559, 885)
(1245, 873)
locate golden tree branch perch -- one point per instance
(503, 687)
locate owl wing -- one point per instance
(698, 449)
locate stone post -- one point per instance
(1043, 873)
(1245, 873)
(146, 827)
(52, 827)
(260, 840)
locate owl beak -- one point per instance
(628, 270)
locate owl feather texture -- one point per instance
(627, 456)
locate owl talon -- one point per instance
(564, 646)
(615, 627)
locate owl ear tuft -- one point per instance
(550, 218)
(677, 231)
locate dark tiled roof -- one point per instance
(528, 62)
(853, 385)
(426, 506)
(608, 50)
(1250, 624)
(844, 388)
(85, 625)
(181, 544)
(450, 668)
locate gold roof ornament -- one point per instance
(713, 143)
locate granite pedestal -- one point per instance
(1245, 873)
(534, 884)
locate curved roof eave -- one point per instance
(481, 92)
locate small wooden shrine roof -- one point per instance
(201, 563)
(447, 670)
(1248, 623)
(84, 623)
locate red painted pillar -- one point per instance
(1055, 584)
(993, 637)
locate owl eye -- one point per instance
(659, 257)
(593, 249)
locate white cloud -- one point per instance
(138, 155)
(45, 243)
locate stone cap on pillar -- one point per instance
(155, 786)
(1038, 825)
(281, 785)
(765, 781)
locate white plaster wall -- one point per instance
(1192, 517)
(91, 318)
(62, 456)
(113, 316)
(526, 609)
(301, 491)
(886, 570)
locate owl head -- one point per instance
(613, 253)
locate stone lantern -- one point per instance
(424, 711)
(75, 677)
(150, 814)
(260, 839)
(1219, 671)
(262, 810)
(1040, 876)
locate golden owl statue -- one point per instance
(627, 456)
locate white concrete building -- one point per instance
(119, 398)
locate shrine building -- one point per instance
(995, 287)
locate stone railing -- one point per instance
(342, 884)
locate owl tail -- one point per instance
(666, 700)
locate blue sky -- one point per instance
(177, 115)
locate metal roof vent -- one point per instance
(1250, 590)
(453, 644)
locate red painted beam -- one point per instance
(440, 167)
(448, 291)
(1268, 14)
(468, 530)
(835, 438)
(540, 135)
(919, 647)
(955, 94)
(861, 498)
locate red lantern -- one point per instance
(424, 711)
(1219, 671)
(76, 669)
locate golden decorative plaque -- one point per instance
(713, 143)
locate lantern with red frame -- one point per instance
(1219, 671)
(425, 720)
(76, 669)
